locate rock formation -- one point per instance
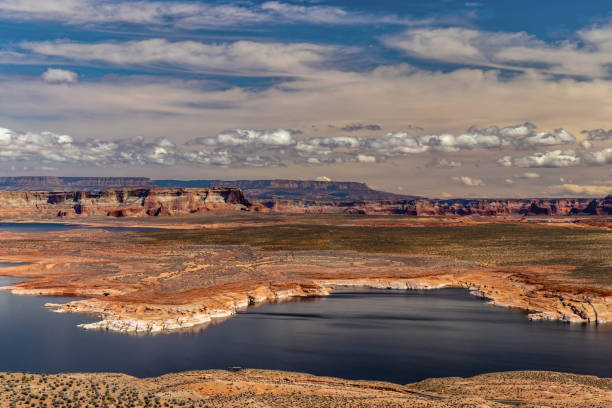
(133, 196)
(451, 207)
(121, 202)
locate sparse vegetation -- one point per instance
(587, 251)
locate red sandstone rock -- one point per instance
(128, 202)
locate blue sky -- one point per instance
(469, 98)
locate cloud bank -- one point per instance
(589, 54)
(184, 14)
(278, 147)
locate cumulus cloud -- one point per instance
(49, 147)
(338, 149)
(560, 158)
(580, 190)
(183, 14)
(534, 139)
(598, 134)
(235, 57)
(554, 158)
(59, 76)
(531, 175)
(247, 137)
(364, 158)
(469, 181)
(598, 158)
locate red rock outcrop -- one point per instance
(128, 202)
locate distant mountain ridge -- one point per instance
(51, 183)
(312, 190)
(284, 196)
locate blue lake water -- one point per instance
(57, 226)
(398, 336)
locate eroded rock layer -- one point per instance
(451, 207)
(120, 202)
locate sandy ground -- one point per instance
(261, 388)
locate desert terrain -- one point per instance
(189, 271)
(263, 388)
(195, 270)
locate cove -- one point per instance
(398, 336)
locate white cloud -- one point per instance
(184, 14)
(589, 54)
(469, 181)
(364, 158)
(455, 44)
(247, 137)
(49, 147)
(560, 158)
(555, 158)
(509, 181)
(236, 57)
(59, 76)
(580, 190)
(533, 139)
(323, 178)
(531, 175)
(598, 158)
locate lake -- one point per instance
(398, 336)
(56, 226)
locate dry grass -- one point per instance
(588, 252)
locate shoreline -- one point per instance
(574, 310)
(134, 284)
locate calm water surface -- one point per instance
(399, 336)
(56, 226)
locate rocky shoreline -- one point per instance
(135, 287)
(501, 291)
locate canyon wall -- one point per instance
(121, 202)
(134, 196)
(451, 207)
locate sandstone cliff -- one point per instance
(453, 207)
(127, 202)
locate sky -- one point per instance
(440, 98)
